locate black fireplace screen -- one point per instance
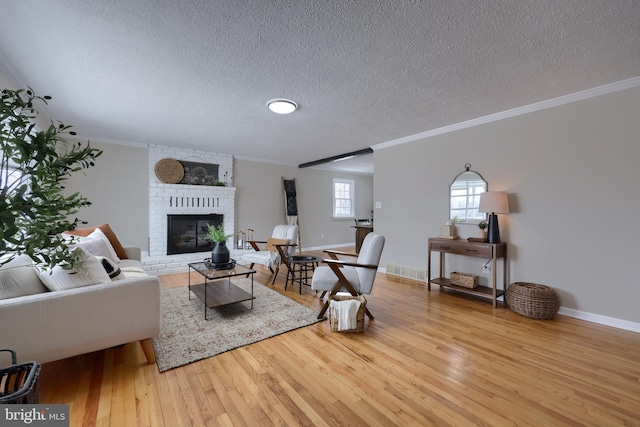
(187, 233)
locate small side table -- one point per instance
(299, 267)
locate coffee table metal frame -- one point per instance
(216, 292)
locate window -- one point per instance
(343, 198)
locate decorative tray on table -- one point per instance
(219, 266)
(302, 258)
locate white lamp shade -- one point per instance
(494, 202)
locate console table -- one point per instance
(493, 251)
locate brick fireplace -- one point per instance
(187, 234)
(181, 199)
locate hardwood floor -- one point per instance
(428, 358)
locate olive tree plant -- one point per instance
(34, 165)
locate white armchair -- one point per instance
(346, 276)
(280, 245)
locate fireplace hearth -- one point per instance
(187, 233)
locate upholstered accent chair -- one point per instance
(340, 275)
(276, 249)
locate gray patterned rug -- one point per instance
(186, 337)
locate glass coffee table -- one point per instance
(215, 291)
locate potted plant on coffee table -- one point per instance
(220, 252)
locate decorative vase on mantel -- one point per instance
(220, 253)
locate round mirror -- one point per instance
(464, 197)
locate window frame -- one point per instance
(351, 198)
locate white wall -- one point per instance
(572, 174)
(118, 188)
(5, 81)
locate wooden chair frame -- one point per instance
(335, 263)
(281, 251)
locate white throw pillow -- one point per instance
(95, 249)
(112, 268)
(92, 272)
(19, 277)
(98, 234)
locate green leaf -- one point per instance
(34, 210)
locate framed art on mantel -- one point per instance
(199, 173)
(172, 171)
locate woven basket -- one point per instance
(464, 279)
(169, 171)
(532, 300)
(333, 320)
(19, 382)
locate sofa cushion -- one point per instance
(112, 268)
(130, 264)
(91, 273)
(19, 277)
(131, 273)
(117, 246)
(132, 268)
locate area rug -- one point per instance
(186, 337)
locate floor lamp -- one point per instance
(494, 202)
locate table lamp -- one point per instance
(493, 202)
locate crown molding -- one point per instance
(550, 103)
(114, 141)
(256, 160)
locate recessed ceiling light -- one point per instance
(282, 106)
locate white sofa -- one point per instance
(53, 325)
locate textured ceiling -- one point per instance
(364, 72)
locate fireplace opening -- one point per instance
(187, 233)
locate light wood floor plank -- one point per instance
(429, 358)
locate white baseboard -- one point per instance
(600, 319)
(334, 246)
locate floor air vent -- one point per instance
(407, 272)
